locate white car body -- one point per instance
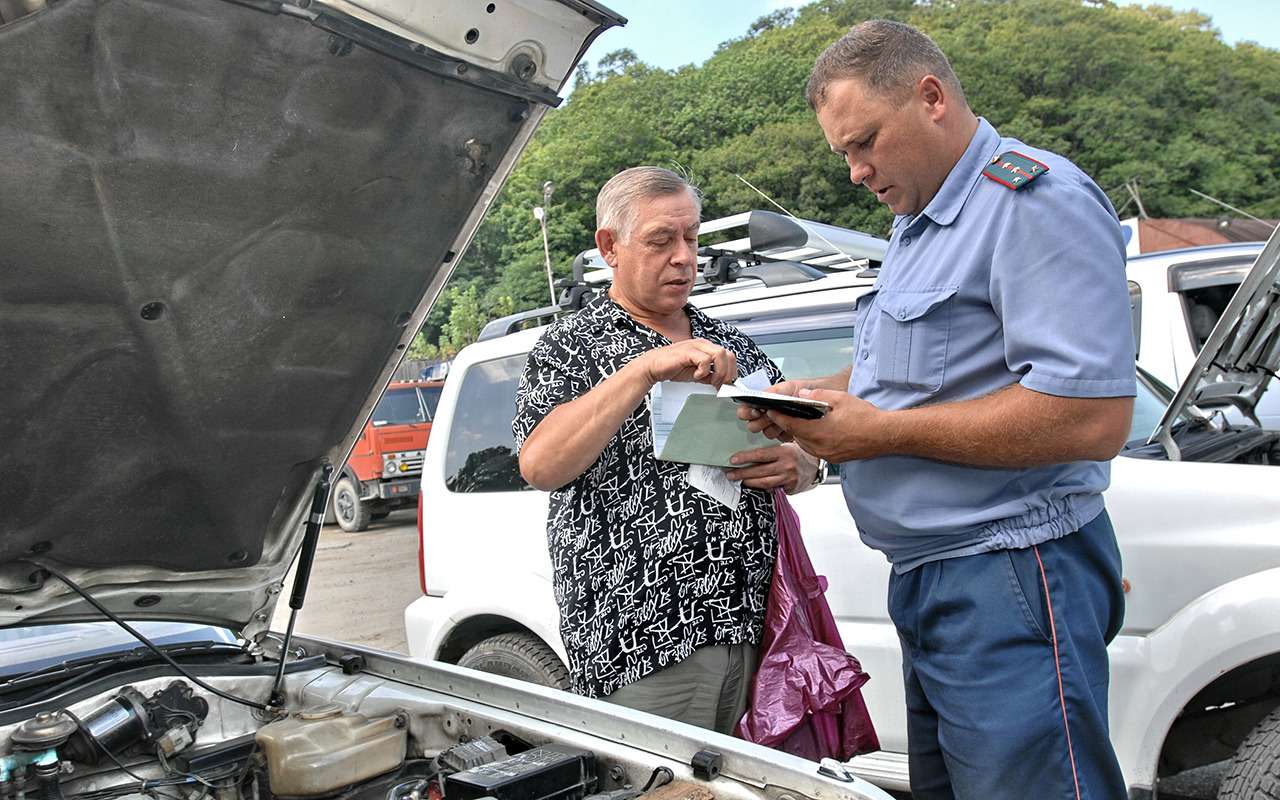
(1200, 541)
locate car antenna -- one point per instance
(799, 221)
(1229, 207)
(306, 557)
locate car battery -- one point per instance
(553, 772)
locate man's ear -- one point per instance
(608, 245)
(933, 93)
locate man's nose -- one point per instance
(859, 171)
(685, 255)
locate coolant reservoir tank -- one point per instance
(322, 750)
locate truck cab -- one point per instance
(384, 469)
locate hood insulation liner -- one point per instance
(215, 223)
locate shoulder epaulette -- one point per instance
(1014, 170)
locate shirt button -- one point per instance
(902, 313)
(865, 354)
(906, 240)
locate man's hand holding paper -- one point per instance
(695, 360)
(771, 467)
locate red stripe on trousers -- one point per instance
(1057, 665)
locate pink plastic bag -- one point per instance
(806, 698)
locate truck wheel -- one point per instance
(352, 514)
(522, 656)
(1254, 773)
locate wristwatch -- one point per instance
(820, 476)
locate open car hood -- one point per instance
(1241, 355)
(223, 223)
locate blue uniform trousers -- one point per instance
(1005, 661)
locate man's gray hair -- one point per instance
(887, 57)
(618, 203)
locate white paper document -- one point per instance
(713, 481)
(757, 381)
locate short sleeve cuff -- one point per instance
(1080, 387)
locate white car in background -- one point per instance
(1178, 297)
(1195, 670)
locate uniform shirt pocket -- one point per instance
(915, 328)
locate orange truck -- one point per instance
(385, 466)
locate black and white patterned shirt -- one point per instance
(647, 569)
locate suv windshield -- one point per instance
(399, 407)
(40, 646)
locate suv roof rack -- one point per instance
(519, 321)
(777, 250)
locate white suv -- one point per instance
(1195, 671)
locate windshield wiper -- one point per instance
(73, 671)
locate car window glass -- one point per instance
(43, 646)
(1203, 308)
(809, 354)
(482, 451)
(398, 407)
(430, 399)
(1147, 411)
(1149, 406)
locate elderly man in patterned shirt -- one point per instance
(661, 587)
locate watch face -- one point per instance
(821, 475)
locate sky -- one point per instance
(671, 33)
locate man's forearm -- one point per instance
(1012, 428)
(574, 435)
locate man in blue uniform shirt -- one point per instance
(992, 381)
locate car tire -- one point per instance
(351, 513)
(522, 656)
(1254, 773)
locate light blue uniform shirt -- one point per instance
(984, 288)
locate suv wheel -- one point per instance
(1255, 770)
(352, 514)
(522, 656)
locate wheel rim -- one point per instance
(346, 505)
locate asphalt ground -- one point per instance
(362, 582)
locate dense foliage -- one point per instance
(1132, 94)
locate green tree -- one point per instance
(1130, 93)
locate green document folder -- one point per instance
(708, 431)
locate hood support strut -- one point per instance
(306, 558)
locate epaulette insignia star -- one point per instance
(1014, 170)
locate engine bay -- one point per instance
(344, 735)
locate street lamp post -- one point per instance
(540, 213)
